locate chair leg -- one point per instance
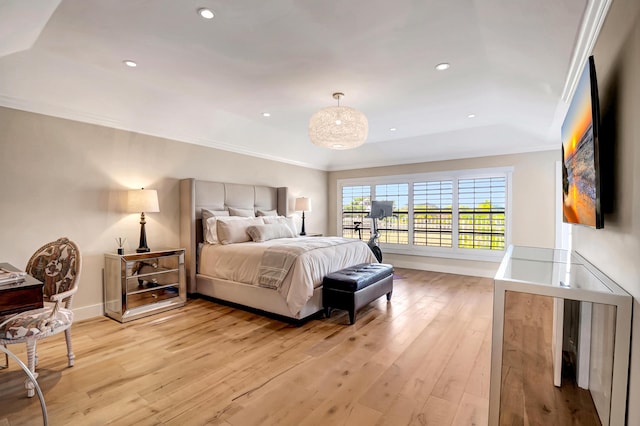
(72, 357)
(6, 359)
(31, 363)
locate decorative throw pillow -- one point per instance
(261, 233)
(281, 219)
(209, 230)
(234, 230)
(267, 212)
(241, 212)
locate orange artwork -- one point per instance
(578, 158)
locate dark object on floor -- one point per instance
(356, 286)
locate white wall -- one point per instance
(616, 248)
(65, 178)
(533, 204)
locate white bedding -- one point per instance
(240, 263)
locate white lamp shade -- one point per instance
(303, 204)
(142, 200)
(338, 127)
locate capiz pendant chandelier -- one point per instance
(338, 127)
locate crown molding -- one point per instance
(594, 17)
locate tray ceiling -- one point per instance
(209, 82)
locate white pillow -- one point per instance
(234, 230)
(267, 212)
(281, 219)
(241, 212)
(211, 236)
(261, 233)
(209, 231)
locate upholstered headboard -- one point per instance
(198, 194)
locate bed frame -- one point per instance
(196, 195)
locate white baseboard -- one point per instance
(86, 312)
(461, 269)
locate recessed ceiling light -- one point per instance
(266, 114)
(471, 116)
(130, 63)
(393, 129)
(206, 13)
(443, 66)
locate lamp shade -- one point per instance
(338, 127)
(303, 204)
(142, 200)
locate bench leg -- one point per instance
(327, 311)
(389, 295)
(352, 316)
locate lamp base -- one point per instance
(143, 248)
(302, 232)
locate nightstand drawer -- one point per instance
(147, 266)
(153, 296)
(148, 277)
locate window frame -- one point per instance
(454, 252)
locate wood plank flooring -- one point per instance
(422, 359)
(528, 394)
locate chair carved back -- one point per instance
(57, 264)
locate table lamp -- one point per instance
(142, 200)
(303, 204)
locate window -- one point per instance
(394, 229)
(432, 213)
(356, 202)
(481, 210)
(460, 214)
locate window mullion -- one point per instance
(455, 204)
(410, 218)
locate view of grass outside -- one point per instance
(433, 213)
(356, 204)
(394, 229)
(480, 213)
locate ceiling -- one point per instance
(209, 81)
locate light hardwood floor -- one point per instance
(528, 394)
(421, 359)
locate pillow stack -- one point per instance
(240, 225)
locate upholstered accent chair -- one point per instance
(57, 265)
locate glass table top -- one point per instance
(555, 268)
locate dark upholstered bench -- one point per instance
(356, 286)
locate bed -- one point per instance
(235, 273)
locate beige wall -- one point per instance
(616, 248)
(533, 203)
(65, 178)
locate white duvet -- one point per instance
(240, 263)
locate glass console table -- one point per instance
(566, 275)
